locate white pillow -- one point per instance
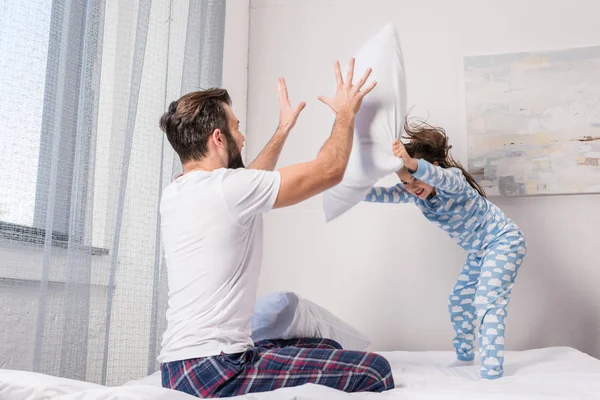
(379, 121)
(286, 315)
(273, 314)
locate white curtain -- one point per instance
(83, 84)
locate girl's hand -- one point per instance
(400, 152)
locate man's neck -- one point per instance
(206, 164)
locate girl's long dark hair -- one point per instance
(431, 144)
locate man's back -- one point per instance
(212, 235)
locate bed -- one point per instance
(550, 373)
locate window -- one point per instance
(24, 38)
(40, 72)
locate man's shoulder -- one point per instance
(206, 177)
(243, 176)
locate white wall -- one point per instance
(385, 268)
(235, 57)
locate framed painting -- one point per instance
(533, 121)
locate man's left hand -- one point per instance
(288, 115)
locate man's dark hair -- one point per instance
(191, 120)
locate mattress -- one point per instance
(551, 373)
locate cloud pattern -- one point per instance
(482, 307)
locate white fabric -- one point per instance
(213, 239)
(552, 373)
(24, 385)
(379, 121)
(287, 315)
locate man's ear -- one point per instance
(217, 138)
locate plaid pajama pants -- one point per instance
(274, 364)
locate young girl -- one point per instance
(448, 195)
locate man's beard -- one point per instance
(235, 161)
(234, 154)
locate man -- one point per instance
(211, 219)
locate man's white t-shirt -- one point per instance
(213, 239)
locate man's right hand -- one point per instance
(348, 97)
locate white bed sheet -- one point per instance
(552, 373)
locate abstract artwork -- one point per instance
(533, 121)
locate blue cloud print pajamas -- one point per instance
(495, 246)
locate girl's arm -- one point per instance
(450, 180)
(394, 194)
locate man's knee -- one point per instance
(383, 370)
(381, 364)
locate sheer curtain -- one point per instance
(83, 84)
